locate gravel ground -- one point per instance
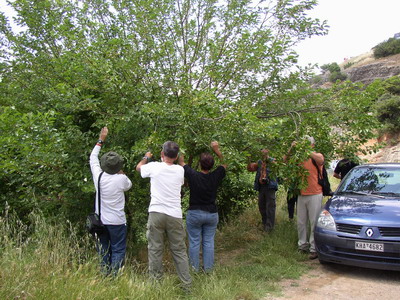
(337, 282)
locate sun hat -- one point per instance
(111, 162)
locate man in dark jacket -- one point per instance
(266, 185)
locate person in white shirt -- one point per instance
(165, 212)
(113, 183)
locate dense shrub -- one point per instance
(335, 76)
(392, 85)
(332, 67)
(42, 166)
(388, 112)
(316, 79)
(233, 196)
(348, 65)
(335, 72)
(387, 48)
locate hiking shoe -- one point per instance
(267, 229)
(302, 251)
(313, 255)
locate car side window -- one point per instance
(371, 180)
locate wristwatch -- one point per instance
(100, 142)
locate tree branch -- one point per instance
(311, 109)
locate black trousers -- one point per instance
(267, 207)
(291, 203)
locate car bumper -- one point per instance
(340, 249)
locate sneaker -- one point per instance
(186, 288)
(313, 255)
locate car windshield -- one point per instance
(372, 180)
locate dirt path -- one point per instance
(337, 282)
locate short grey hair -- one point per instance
(170, 149)
(310, 139)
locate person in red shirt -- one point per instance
(309, 201)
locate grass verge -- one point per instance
(46, 261)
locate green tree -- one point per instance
(387, 48)
(40, 168)
(335, 72)
(387, 107)
(392, 85)
(332, 67)
(189, 71)
(388, 110)
(335, 76)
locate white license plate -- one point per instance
(369, 246)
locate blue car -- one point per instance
(360, 223)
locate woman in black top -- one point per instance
(202, 215)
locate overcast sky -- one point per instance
(355, 27)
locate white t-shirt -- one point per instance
(112, 188)
(165, 187)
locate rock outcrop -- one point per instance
(389, 153)
(366, 69)
(368, 73)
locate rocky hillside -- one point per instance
(389, 153)
(365, 68)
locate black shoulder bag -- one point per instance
(323, 180)
(93, 220)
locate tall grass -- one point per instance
(48, 261)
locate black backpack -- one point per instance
(323, 180)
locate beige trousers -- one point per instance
(158, 226)
(308, 210)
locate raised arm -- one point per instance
(181, 160)
(217, 151)
(318, 157)
(144, 160)
(94, 155)
(103, 134)
(289, 153)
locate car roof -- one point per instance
(381, 165)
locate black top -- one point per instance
(344, 166)
(203, 188)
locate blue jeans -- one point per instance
(112, 247)
(201, 226)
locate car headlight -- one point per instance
(326, 221)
